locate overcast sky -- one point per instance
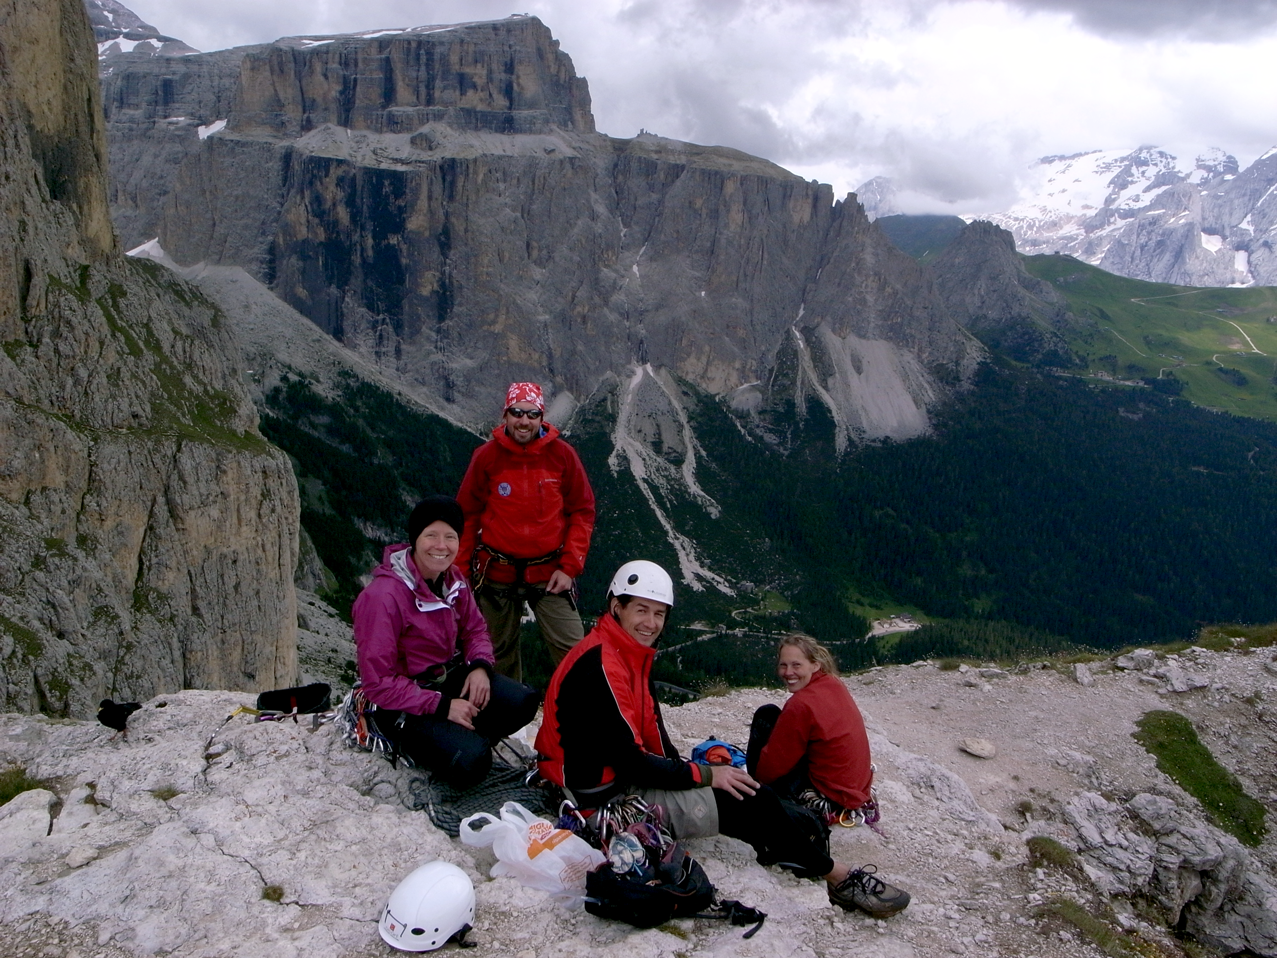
(951, 98)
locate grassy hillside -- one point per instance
(1214, 347)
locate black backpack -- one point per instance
(681, 889)
(301, 700)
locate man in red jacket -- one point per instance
(529, 513)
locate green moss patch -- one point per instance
(25, 640)
(1171, 739)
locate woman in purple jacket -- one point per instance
(425, 659)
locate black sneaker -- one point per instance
(863, 889)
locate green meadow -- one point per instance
(1215, 347)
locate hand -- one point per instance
(559, 582)
(477, 688)
(736, 782)
(463, 713)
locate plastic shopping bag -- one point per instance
(533, 850)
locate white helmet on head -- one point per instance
(643, 580)
(432, 905)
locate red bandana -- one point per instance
(524, 392)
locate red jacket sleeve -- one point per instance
(788, 742)
(578, 508)
(472, 496)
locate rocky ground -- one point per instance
(174, 841)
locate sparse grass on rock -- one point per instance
(14, 780)
(1110, 940)
(1047, 852)
(1230, 638)
(1171, 739)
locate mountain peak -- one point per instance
(117, 29)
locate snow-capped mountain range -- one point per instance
(117, 29)
(1143, 214)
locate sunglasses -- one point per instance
(532, 414)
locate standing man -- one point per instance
(529, 513)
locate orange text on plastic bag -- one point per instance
(542, 836)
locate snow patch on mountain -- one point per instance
(117, 29)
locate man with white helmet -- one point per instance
(602, 736)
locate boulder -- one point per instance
(1195, 870)
(1140, 660)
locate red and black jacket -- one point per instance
(602, 732)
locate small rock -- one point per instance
(993, 674)
(80, 856)
(964, 668)
(1271, 666)
(979, 747)
(1082, 675)
(1141, 660)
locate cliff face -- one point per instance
(505, 76)
(147, 531)
(160, 107)
(438, 200)
(986, 288)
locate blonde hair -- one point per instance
(813, 650)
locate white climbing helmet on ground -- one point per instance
(431, 906)
(643, 580)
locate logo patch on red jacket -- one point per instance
(504, 488)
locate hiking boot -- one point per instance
(863, 889)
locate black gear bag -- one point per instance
(679, 889)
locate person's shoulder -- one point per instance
(560, 449)
(383, 587)
(489, 447)
(384, 595)
(824, 682)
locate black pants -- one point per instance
(760, 733)
(778, 837)
(455, 754)
(779, 834)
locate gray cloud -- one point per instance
(1217, 20)
(845, 90)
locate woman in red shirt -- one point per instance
(814, 751)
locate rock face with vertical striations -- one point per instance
(987, 289)
(147, 531)
(438, 200)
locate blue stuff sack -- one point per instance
(714, 751)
